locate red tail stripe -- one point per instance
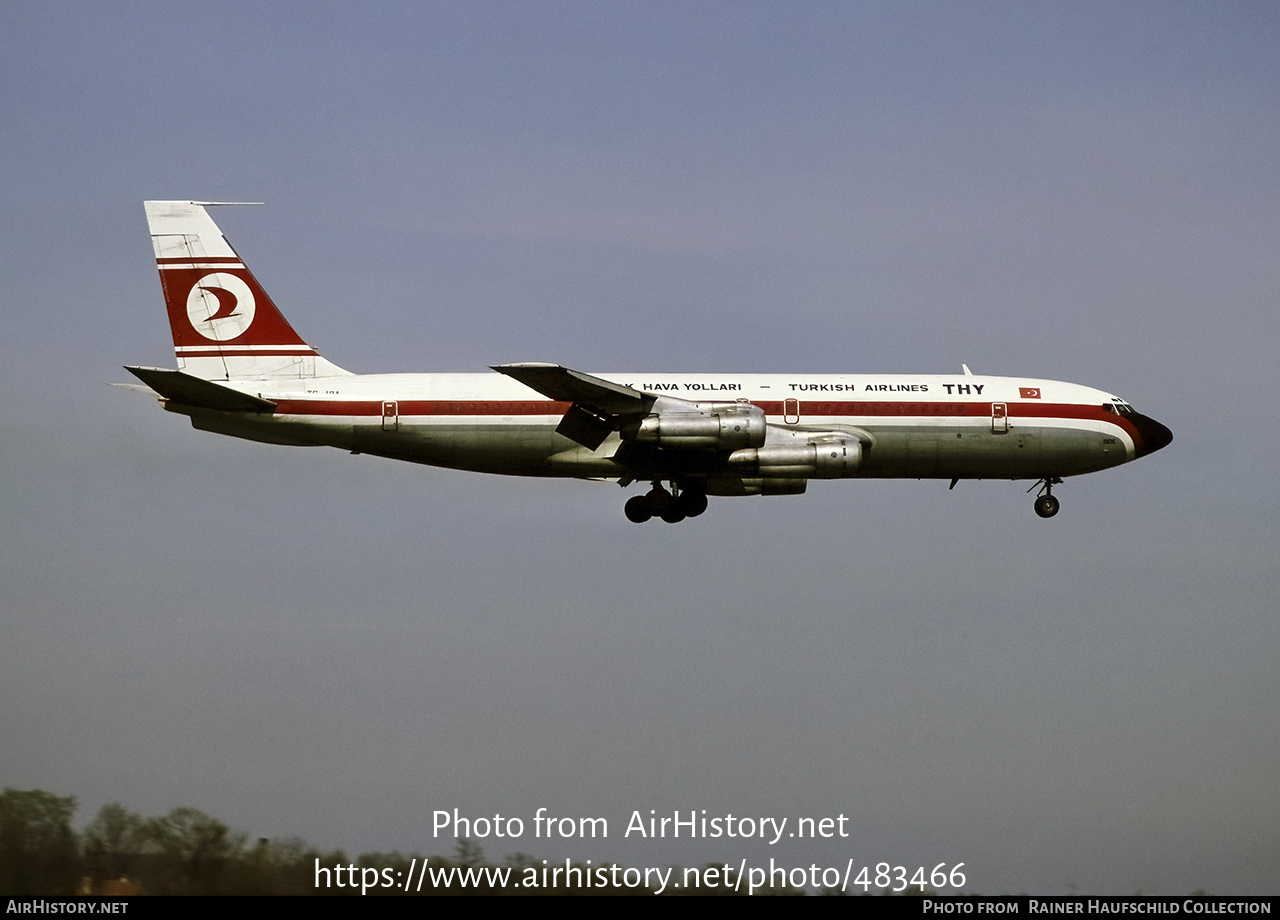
(291, 351)
(199, 260)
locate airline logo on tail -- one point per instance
(220, 306)
(217, 304)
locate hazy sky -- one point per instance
(305, 642)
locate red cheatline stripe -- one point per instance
(878, 408)
(810, 410)
(418, 407)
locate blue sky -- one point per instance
(303, 642)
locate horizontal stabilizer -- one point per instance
(203, 394)
(565, 385)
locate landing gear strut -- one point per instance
(1046, 504)
(672, 508)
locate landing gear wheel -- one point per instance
(672, 508)
(637, 509)
(673, 513)
(1046, 506)
(693, 503)
(658, 499)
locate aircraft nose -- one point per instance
(1151, 435)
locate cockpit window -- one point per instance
(1119, 407)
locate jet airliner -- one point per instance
(243, 371)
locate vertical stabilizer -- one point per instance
(224, 325)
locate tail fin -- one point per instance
(224, 325)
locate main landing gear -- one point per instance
(1046, 504)
(672, 508)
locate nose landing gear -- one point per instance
(672, 508)
(1046, 505)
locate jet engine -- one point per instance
(825, 456)
(731, 426)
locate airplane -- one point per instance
(243, 371)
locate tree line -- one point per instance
(187, 852)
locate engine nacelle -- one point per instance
(731, 426)
(756, 486)
(833, 456)
(774, 486)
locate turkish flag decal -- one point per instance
(1029, 392)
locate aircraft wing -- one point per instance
(566, 385)
(193, 391)
(596, 403)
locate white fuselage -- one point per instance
(962, 426)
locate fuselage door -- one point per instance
(999, 418)
(791, 411)
(390, 416)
